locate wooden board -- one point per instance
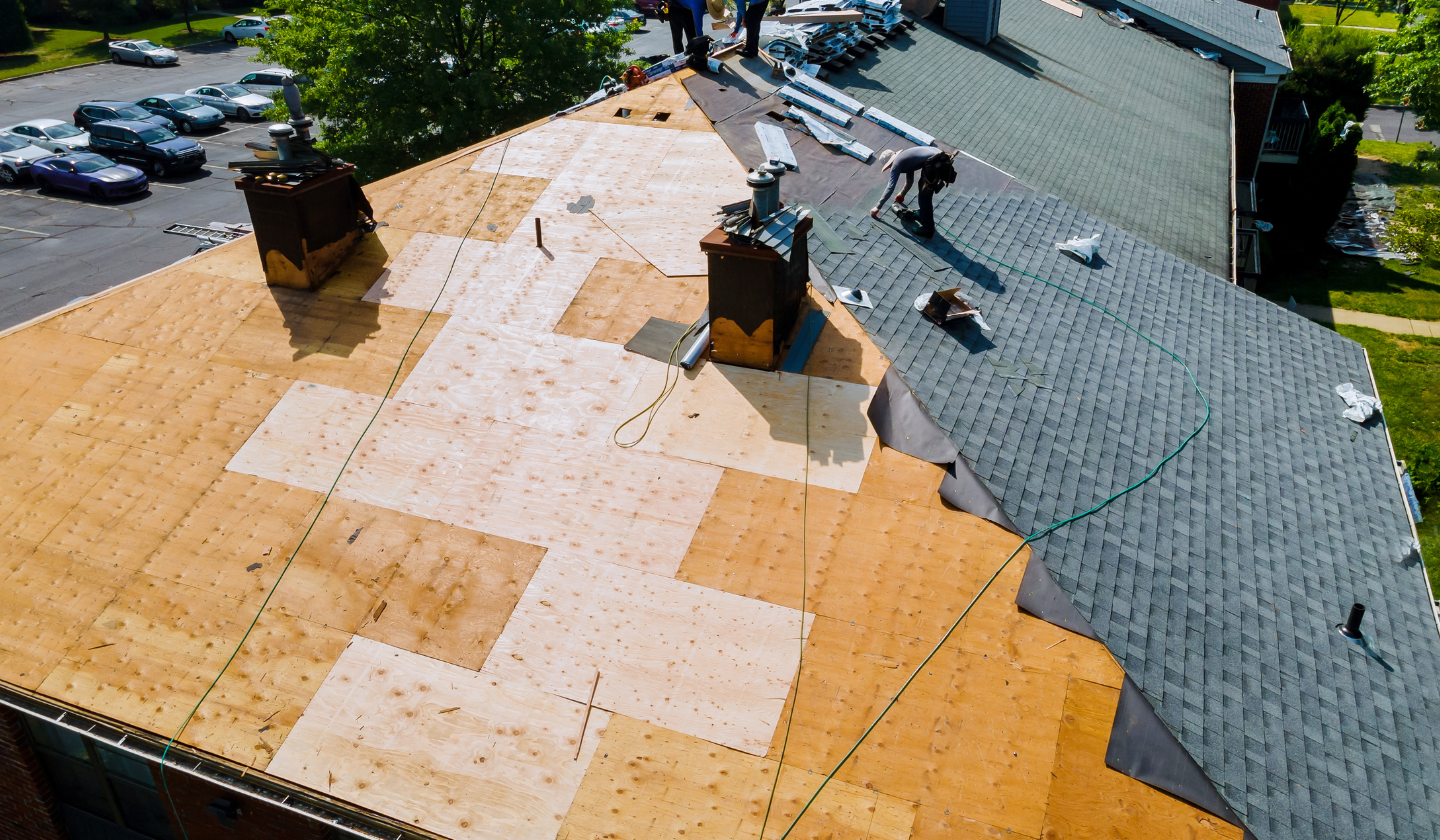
(46, 475)
(44, 367)
(372, 255)
(129, 390)
(441, 747)
(646, 104)
(47, 600)
(974, 734)
(451, 200)
(330, 340)
(305, 440)
(647, 782)
(691, 659)
(237, 260)
(756, 421)
(895, 476)
(844, 351)
(666, 234)
(618, 298)
(541, 152)
(452, 594)
(515, 283)
(570, 386)
(213, 415)
(1089, 800)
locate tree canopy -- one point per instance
(14, 33)
(1330, 65)
(395, 82)
(1407, 64)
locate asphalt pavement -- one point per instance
(56, 247)
(1382, 122)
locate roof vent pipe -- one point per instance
(1351, 628)
(280, 135)
(766, 189)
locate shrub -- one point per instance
(14, 32)
(1330, 65)
(1415, 227)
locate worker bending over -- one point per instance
(937, 171)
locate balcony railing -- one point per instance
(1286, 132)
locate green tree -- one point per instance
(1408, 62)
(105, 15)
(14, 32)
(1345, 8)
(1415, 228)
(396, 82)
(1330, 65)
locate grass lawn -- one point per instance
(62, 47)
(1407, 370)
(1325, 15)
(1327, 278)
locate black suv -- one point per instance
(145, 145)
(89, 113)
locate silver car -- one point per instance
(62, 138)
(15, 158)
(232, 99)
(143, 52)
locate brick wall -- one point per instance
(27, 805)
(254, 821)
(1252, 117)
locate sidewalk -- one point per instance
(1384, 323)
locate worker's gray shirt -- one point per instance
(913, 160)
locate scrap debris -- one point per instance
(1363, 226)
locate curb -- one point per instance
(95, 63)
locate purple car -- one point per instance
(99, 177)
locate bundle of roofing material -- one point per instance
(831, 137)
(824, 92)
(880, 15)
(795, 96)
(904, 129)
(776, 145)
(820, 42)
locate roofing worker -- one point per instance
(749, 14)
(687, 17)
(937, 171)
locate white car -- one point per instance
(233, 100)
(250, 27)
(15, 158)
(62, 138)
(143, 52)
(266, 82)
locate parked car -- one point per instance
(96, 176)
(146, 146)
(629, 15)
(268, 81)
(649, 8)
(233, 100)
(100, 110)
(62, 138)
(16, 155)
(252, 27)
(187, 112)
(143, 52)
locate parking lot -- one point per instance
(56, 247)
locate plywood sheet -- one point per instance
(843, 351)
(372, 255)
(134, 506)
(213, 415)
(452, 594)
(893, 475)
(185, 314)
(43, 368)
(1089, 800)
(647, 782)
(667, 234)
(47, 599)
(441, 747)
(973, 734)
(450, 199)
(236, 537)
(44, 477)
(328, 339)
(237, 260)
(128, 391)
(699, 168)
(515, 284)
(663, 103)
(307, 437)
(541, 152)
(618, 297)
(691, 659)
(756, 421)
(570, 386)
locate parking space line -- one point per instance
(168, 186)
(20, 194)
(23, 230)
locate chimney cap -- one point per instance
(759, 178)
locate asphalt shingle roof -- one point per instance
(1112, 119)
(1241, 25)
(1218, 584)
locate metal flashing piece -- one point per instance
(1042, 597)
(819, 89)
(831, 137)
(776, 144)
(796, 96)
(900, 127)
(1143, 748)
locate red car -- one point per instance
(649, 8)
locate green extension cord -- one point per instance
(1030, 539)
(291, 559)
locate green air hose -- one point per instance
(326, 501)
(1048, 529)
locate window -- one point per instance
(26, 130)
(248, 80)
(100, 131)
(152, 135)
(130, 112)
(99, 782)
(267, 79)
(184, 103)
(152, 102)
(63, 130)
(96, 113)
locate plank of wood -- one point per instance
(1089, 800)
(570, 386)
(450, 200)
(237, 260)
(618, 297)
(452, 594)
(307, 437)
(372, 255)
(895, 476)
(47, 599)
(44, 367)
(666, 234)
(213, 415)
(647, 781)
(515, 283)
(541, 152)
(662, 103)
(691, 659)
(46, 475)
(125, 394)
(699, 167)
(756, 421)
(330, 340)
(503, 763)
(844, 351)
